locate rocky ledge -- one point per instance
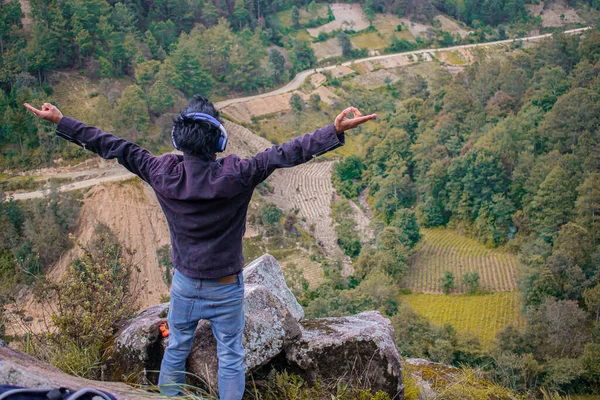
(357, 349)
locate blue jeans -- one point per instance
(221, 304)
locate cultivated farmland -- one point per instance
(445, 250)
(482, 315)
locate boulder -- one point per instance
(358, 349)
(266, 271)
(269, 326)
(272, 314)
(137, 349)
(355, 349)
(20, 369)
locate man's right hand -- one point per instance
(343, 123)
(48, 112)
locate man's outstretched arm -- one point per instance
(130, 155)
(302, 149)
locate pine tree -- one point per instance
(240, 14)
(587, 206)
(132, 108)
(295, 17)
(160, 98)
(552, 206)
(210, 14)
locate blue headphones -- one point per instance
(223, 138)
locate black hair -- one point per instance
(198, 138)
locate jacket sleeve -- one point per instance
(133, 157)
(297, 151)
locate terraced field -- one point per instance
(445, 250)
(308, 188)
(482, 315)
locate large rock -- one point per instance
(269, 326)
(266, 271)
(137, 349)
(19, 369)
(272, 314)
(358, 348)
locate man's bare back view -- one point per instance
(205, 201)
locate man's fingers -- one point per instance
(32, 109)
(356, 112)
(344, 113)
(359, 120)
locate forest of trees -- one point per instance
(509, 152)
(166, 51)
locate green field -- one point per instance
(450, 57)
(482, 315)
(369, 40)
(445, 250)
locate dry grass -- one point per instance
(451, 26)
(369, 40)
(482, 315)
(285, 17)
(302, 34)
(328, 48)
(387, 25)
(450, 57)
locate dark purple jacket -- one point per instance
(205, 202)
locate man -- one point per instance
(205, 201)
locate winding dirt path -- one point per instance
(116, 174)
(301, 76)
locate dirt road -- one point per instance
(104, 175)
(301, 76)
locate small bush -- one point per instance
(448, 282)
(95, 295)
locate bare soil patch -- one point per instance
(26, 12)
(132, 212)
(308, 188)
(364, 67)
(415, 28)
(341, 71)
(243, 112)
(327, 48)
(243, 142)
(451, 25)
(326, 95)
(377, 78)
(467, 56)
(392, 62)
(347, 17)
(555, 14)
(317, 79)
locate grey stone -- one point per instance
(20, 369)
(355, 349)
(137, 349)
(424, 382)
(266, 271)
(269, 325)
